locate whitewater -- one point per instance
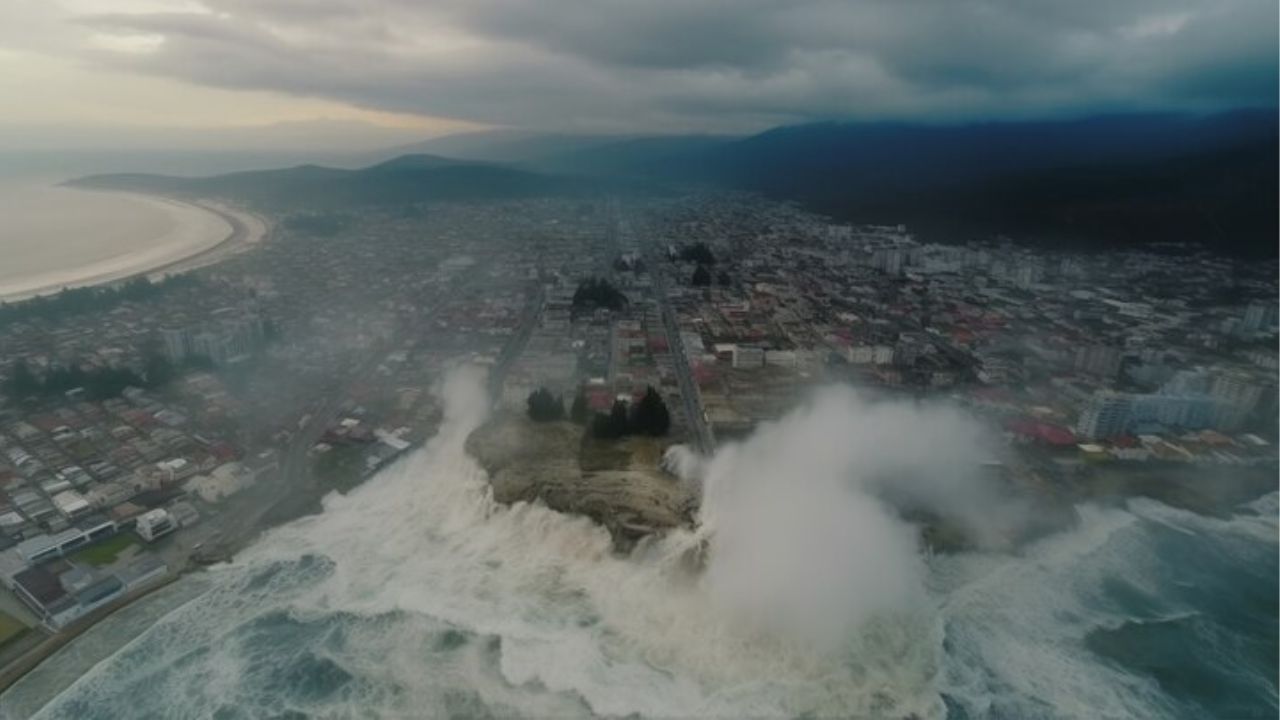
(416, 595)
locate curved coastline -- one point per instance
(230, 231)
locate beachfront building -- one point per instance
(59, 592)
(44, 547)
(155, 524)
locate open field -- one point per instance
(106, 552)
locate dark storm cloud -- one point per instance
(723, 64)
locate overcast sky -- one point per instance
(397, 69)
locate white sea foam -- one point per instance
(418, 595)
(1016, 625)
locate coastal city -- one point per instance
(158, 426)
(403, 359)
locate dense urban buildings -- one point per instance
(300, 367)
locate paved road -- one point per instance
(703, 437)
(515, 346)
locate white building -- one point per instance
(155, 524)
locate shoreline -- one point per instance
(243, 519)
(243, 229)
(254, 512)
(30, 659)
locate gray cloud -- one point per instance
(721, 64)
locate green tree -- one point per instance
(701, 276)
(614, 425)
(545, 407)
(22, 383)
(578, 411)
(651, 416)
(598, 293)
(618, 418)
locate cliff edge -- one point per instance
(617, 483)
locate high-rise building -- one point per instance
(1187, 412)
(1107, 414)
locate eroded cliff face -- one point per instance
(618, 484)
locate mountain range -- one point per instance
(1100, 182)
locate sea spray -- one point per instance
(803, 519)
(417, 595)
(522, 610)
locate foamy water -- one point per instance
(53, 237)
(417, 596)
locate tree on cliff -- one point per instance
(701, 276)
(544, 407)
(614, 425)
(578, 412)
(651, 416)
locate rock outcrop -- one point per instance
(616, 483)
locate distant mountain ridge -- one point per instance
(400, 180)
(934, 151)
(1094, 183)
(1107, 181)
(1102, 182)
(625, 155)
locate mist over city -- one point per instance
(496, 359)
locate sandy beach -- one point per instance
(178, 236)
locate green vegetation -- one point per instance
(701, 276)
(341, 468)
(72, 301)
(649, 417)
(579, 412)
(598, 293)
(629, 453)
(545, 407)
(10, 629)
(98, 383)
(611, 426)
(107, 551)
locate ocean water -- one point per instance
(417, 596)
(52, 236)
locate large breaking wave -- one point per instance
(418, 596)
